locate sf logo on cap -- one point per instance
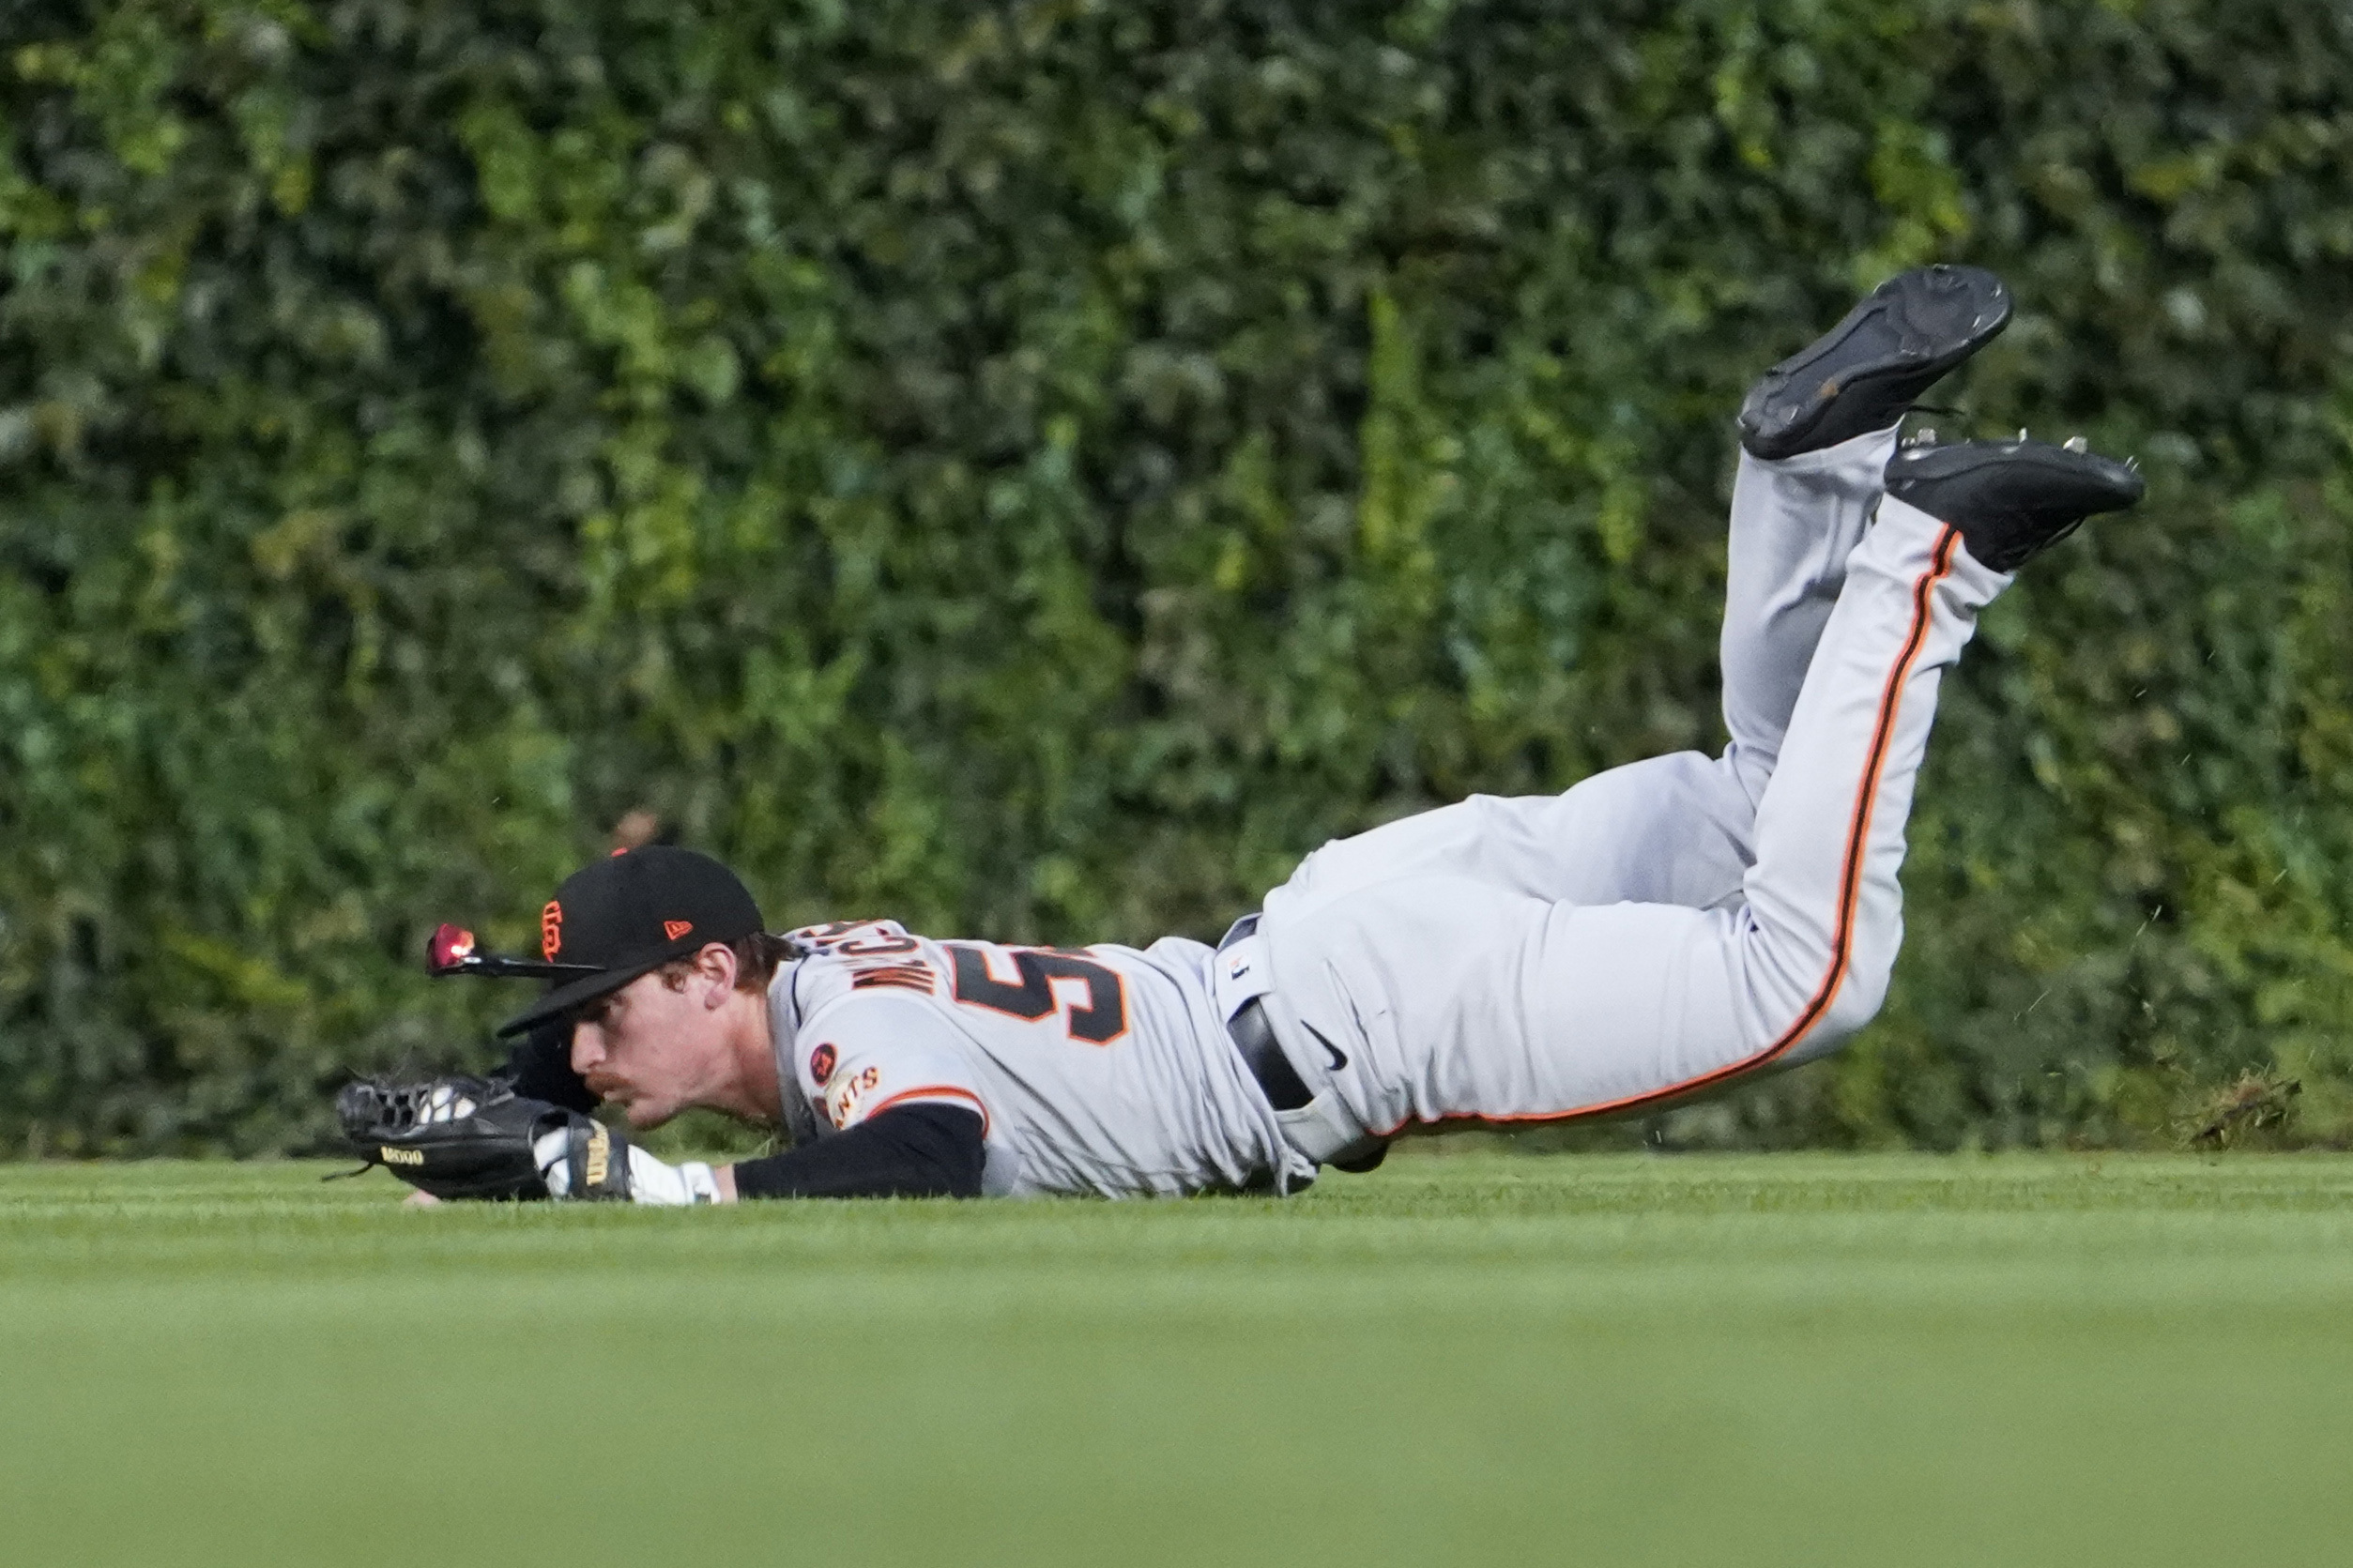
(551, 931)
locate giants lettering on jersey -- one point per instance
(843, 1099)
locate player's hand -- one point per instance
(586, 1159)
(454, 1136)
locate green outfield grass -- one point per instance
(1463, 1358)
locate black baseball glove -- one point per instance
(459, 1137)
(455, 1137)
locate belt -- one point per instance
(1253, 1036)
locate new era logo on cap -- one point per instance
(675, 929)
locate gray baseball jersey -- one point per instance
(1098, 1069)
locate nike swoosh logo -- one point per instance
(1339, 1058)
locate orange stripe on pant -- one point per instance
(1850, 881)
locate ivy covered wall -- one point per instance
(1037, 469)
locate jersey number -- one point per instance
(1104, 1018)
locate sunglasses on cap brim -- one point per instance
(453, 950)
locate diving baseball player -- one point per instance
(1659, 930)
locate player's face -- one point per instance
(650, 1047)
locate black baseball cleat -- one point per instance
(2012, 500)
(1864, 374)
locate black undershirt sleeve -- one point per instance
(927, 1150)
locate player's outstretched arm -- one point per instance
(463, 1138)
(927, 1150)
(918, 1151)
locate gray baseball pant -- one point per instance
(1666, 927)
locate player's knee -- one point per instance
(1855, 1003)
(1859, 997)
(1786, 960)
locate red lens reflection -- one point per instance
(451, 947)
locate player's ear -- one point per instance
(716, 965)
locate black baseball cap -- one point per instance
(634, 911)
